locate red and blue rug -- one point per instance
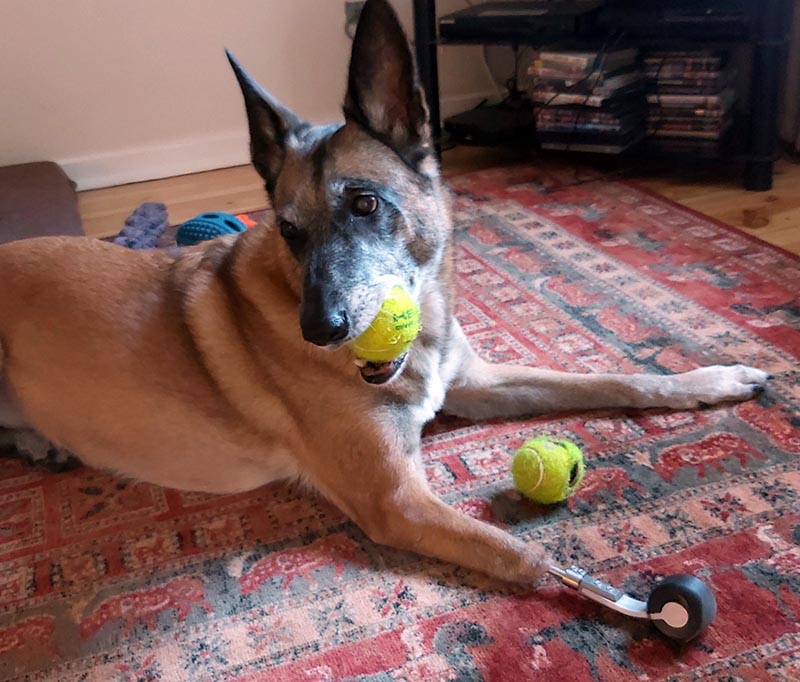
(105, 580)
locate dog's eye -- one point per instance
(289, 231)
(364, 204)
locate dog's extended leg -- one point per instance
(481, 390)
(395, 507)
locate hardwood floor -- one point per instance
(233, 190)
(772, 216)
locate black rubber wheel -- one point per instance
(693, 595)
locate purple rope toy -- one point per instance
(144, 227)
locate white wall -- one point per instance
(126, 90)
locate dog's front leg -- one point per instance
(391, 501)
(480, 390)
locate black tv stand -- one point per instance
(767, 39)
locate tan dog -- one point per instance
(222, 367)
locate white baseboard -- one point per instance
(193, 155)
(158, 161)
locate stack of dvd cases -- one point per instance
(588, 100)
(690, 98)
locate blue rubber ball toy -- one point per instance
(208, 226)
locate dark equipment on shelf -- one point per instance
(519, 21)
(510, 120)
(705, 20)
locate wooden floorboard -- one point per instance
(773, 216)
(233, 190)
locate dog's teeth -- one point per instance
(359, 362)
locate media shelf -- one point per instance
(761, 25)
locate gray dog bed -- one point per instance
(37, 200)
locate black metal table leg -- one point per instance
(427, 62)
(769, 52)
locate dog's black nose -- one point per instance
(323, 330)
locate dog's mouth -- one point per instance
(381, 372)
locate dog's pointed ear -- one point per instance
(383, 94)
(270, 124)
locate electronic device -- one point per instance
(519, 22)
(511, 120)
(683, 19)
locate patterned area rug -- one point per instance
(106, 580)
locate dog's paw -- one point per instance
(716, 384)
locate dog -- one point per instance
(224, 366)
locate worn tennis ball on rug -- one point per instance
(548, 470)
(393, 330)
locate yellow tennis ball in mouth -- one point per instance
(392, 331)
(548, 470)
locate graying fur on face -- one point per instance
(347, 259)
(315, 174)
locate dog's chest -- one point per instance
(432, 388)
(434, 369)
